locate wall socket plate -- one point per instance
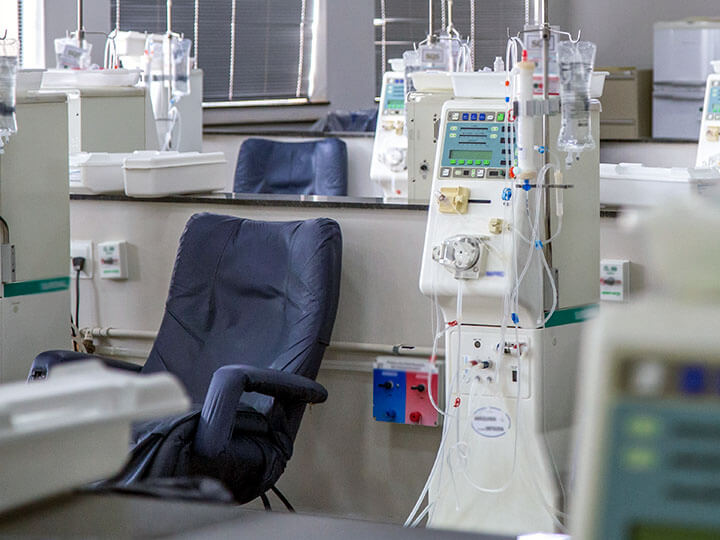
(82, 248)
(614, 280)
(112, 260)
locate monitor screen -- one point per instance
(472, 155)
(671, 532)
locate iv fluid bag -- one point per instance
(457, 53)
(575, 61)
(8, 74)
(181, 67)
(412, 64)
(70, 55)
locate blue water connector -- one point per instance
(526, 185)
(506, 194)
(538, 244)
(507, 99)
(541, 149)
(515, 318)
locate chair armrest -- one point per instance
(45, 361)
(228, 384)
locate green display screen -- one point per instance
(664, 532)
(471, 154)
(395, 103)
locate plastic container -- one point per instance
(102, 172)
(492, 85)
(633, 184)
(97, 172)
(429, 81)
(93, 78)
(479, 84)
(159, 174)
(29, 80)
(74, 427)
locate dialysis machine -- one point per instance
(35, 298)
(649, 397)
(511, 257)
(389, 159)
(423, 112)
(709, 144)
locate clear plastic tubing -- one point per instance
(576, 61)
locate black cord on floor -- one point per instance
(77, 299)
(78, 264)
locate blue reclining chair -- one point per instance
(249, 314)
(292, 168)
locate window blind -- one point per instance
(247, 49)
(404, 22)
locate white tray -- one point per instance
(91, 78)
(633, 184)
(428, 81)
(160, 174)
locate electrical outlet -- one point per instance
(82, 248)
(614, 280)
(112, 260)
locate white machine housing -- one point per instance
(74, 427)
(423, 113)
(708, 154)
(628, 363)
(515, 447)
(120, 118)
(34, 306)
(389, 160)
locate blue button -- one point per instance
(473, 116)
(482, 116)
(692, 380)
(465, 116)
(506, 194)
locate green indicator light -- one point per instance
(643, 426)
(486, 162)
(453, 161)
(640, 459)
(453, 135)
(500, 117)
(478, 162)
(461, 162)
(494, 136)
(453, 128)
(494, 128)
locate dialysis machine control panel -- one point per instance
(709, 145)
(394, 96)
(475, 145)
(389, 160)
(661, 452)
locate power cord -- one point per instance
(78, 264)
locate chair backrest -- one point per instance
(302, 168)
(249, 292)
